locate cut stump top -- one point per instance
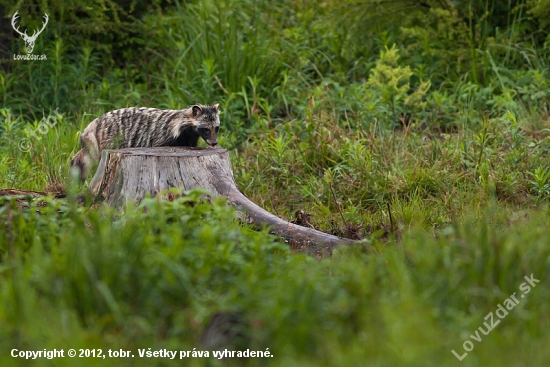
(170, 151)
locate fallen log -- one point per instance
(131, 174)
(23, 198)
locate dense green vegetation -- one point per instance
(432, 113)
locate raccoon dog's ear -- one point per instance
(216, 107)
(197, 111)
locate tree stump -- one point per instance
(131, 174)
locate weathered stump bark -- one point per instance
(131, 174)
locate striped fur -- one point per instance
(145, 127)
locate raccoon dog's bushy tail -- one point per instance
(81, 164)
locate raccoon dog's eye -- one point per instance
(204, 131)
(217, 128)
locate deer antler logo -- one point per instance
(29, 40)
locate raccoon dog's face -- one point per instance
(207, 123)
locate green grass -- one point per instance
(452, 203)
(80, 279)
